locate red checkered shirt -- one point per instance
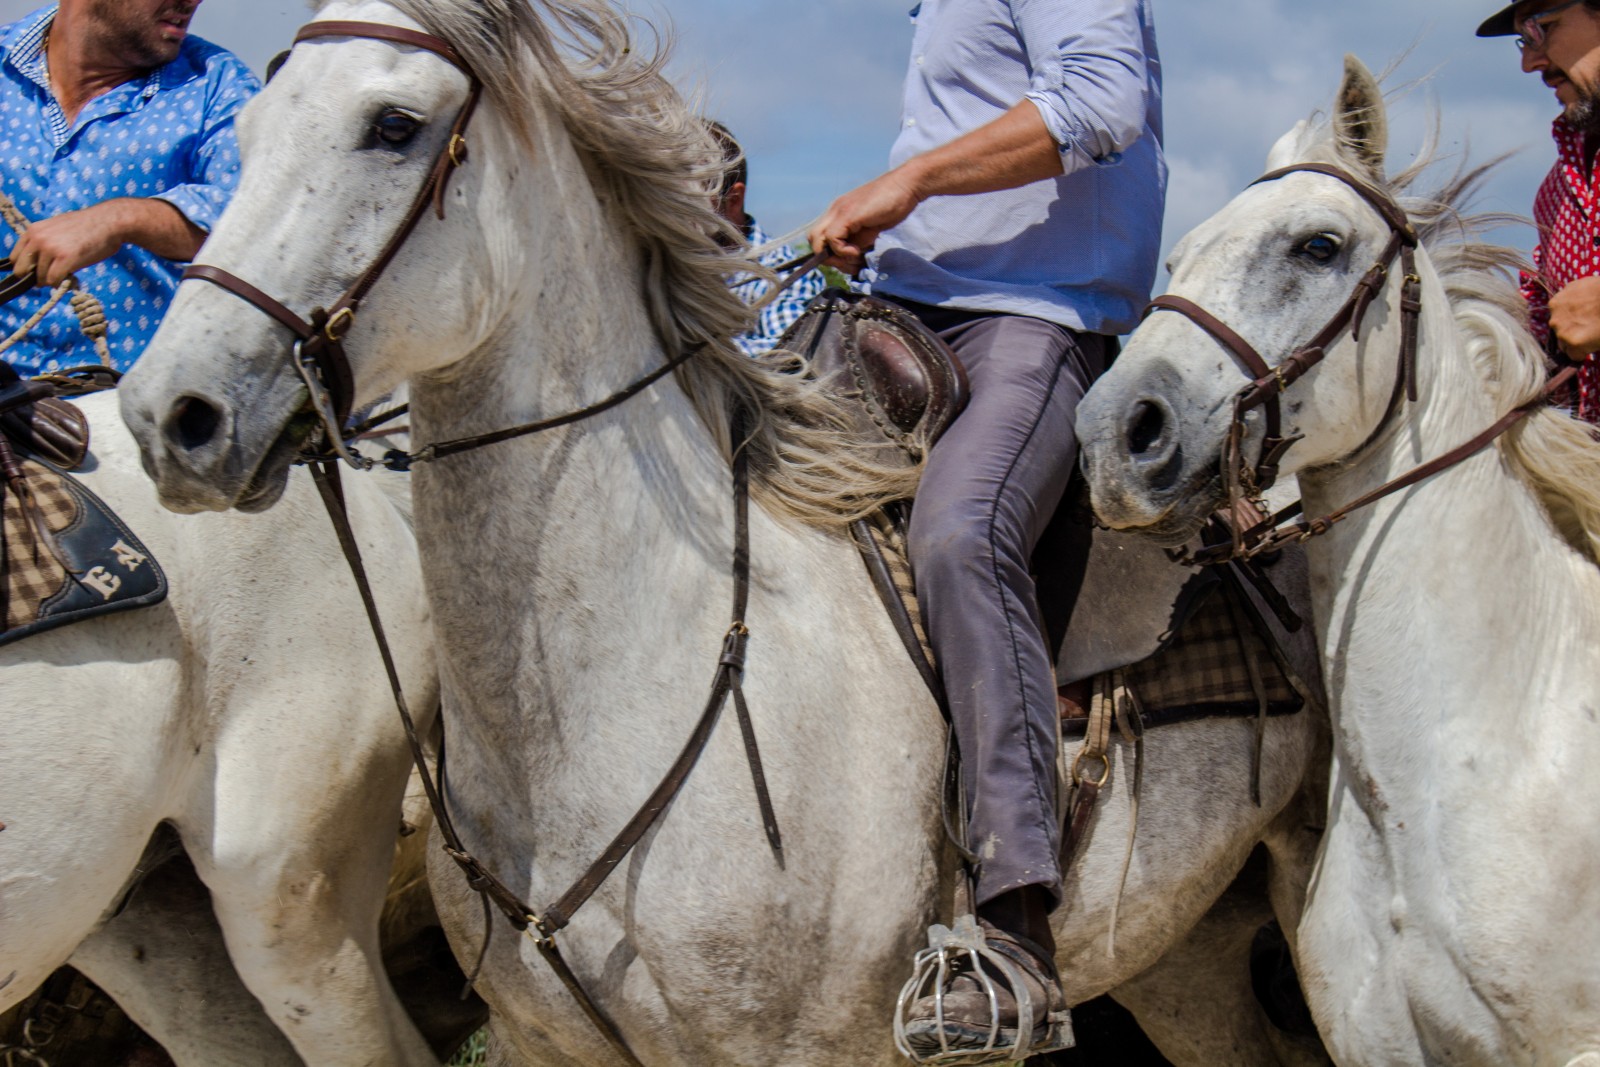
(1569, 247)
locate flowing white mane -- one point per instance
(653, 164)
(1555, 453)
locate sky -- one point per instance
(812, 88)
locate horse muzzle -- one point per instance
(207, 453)
(1139, 456)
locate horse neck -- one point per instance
(618, 518)
(1454, 593)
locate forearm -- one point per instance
(154, 225)
(1013, 150)
(65, 244)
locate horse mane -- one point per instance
(1555, 453)
(652, 161)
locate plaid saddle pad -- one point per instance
(65, 556)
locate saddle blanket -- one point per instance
(65, 556)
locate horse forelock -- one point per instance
(655, 166)
(1555, 453)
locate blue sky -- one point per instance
(812, 88)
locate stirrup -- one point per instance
(963, 948)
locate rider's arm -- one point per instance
(1088, 99)
(56, 247)
(213, 161)
(171, 224)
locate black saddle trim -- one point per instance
(87, 543)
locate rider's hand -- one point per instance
(1575, 317)
(56, 247)
(851, 225)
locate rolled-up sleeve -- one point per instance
(214, 161)
(1090, 74)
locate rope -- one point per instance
(90, 312)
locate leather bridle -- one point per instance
(319, 354)
(1245, 483)
(1250, 530)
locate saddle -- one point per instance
(895, 379)
(64, 555)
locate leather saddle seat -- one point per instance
(895, 379)
(32, 419)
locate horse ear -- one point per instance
(1360, 120)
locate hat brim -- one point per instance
(1499, 24)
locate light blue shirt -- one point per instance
(168, 135)
(1080, 250)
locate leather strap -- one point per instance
(250, 294)
(728, 679)
(403, 461)
(14, 285)
(380, 31)
(321, 337)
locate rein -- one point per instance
(320, 359)
(1271, 532)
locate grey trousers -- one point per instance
(992, 484)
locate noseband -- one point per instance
(319, 354)
(1246, 484)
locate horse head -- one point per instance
(336, 150)
(1276, 268)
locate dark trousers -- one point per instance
(992, 484)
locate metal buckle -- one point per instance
(536, 932)
(322, 405)
(344, 315)
(458, 144)
(1105, 767)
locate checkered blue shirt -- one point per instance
(782, 312)
(168, 135)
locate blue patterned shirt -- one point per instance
(168, 135)
(782, 312)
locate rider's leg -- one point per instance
(991, 486)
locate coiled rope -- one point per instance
(91, 313)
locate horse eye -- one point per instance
(1321, 247)
(395, 127)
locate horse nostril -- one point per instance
(193, 423)
(1148, 425)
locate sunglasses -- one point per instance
(1531, 33)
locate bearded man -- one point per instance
(116, 143)
(1560, 41)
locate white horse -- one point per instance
(250, 712)
(1455, 915)
(580, 579)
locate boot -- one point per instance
(962, 1026)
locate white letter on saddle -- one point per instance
(128, 557)
(102, 581)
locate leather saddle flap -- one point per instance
(897, 380)
(66, 556)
